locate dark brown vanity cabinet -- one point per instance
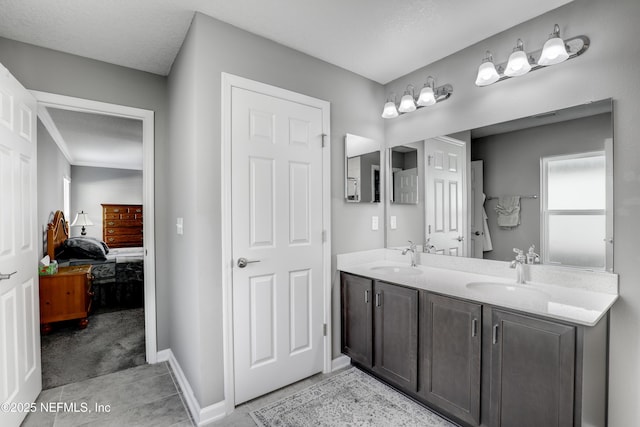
(479, 365)
(357, 326)
(380, 328)
(532, 371)
(396, 334)
(451, 347)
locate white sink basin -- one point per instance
(394, 269)
(506, 291)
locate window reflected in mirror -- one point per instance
(574, 210)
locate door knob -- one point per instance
(477, 233)
(7, 276)
(459, 238)
(242, 262)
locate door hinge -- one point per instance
(324, 236)
(429, 229)
(429, 157)
(324, 330)
(324, 142)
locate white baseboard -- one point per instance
(201, 416)
(340, 362)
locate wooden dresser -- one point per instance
(122, 225)
(65, 295)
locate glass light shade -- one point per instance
(389, 111)
(518, 64)
(553, 52)
(407, 104)
(427, 97)
(487, 74)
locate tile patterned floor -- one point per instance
(241, 418)
(146, 395)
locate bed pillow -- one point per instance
(82, 248)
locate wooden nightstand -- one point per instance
(65, 295)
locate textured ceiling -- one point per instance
(378, 39)
(99, 140)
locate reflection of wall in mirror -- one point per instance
(353, 179)
(409, 217)
(512, 167)
(367, 163)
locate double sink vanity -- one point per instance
(460, 336)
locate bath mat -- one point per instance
(351, 398)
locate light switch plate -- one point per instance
(374, 223)
(393, 222)
(179, 226)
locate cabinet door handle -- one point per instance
(474, 327)
(495, 334)
(366, 296)
(378, 299)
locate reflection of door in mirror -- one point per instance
(362, 169)
(480, 238)
(404, 176)
(445, 195)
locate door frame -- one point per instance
(229, 81)
(46, 99)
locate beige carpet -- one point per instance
(112, 342)
(351, 398)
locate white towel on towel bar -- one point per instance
(508, 210)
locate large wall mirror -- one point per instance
(362, 169)
(544, 182)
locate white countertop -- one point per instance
(572, 304)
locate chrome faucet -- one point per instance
(428, 247)
(518, 264)
(412, 248)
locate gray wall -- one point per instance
(213, 47)
(512, 167)
(608, 69)
(90, 187)
(56, 72)
(52, 168)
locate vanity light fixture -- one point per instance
(390, 110)
(429, 95)
(554, 51)
(518, 64)
(487, 73)
(408, 103)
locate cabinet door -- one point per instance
(357, 296)
(532, 372)
(451, 347)
(396, 334)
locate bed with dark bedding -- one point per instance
(118, 274)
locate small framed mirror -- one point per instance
(362, 169)
(403, 173)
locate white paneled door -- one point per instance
(277, 235)
(445, 195)
(20, 369)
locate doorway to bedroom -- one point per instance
(95, 166)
